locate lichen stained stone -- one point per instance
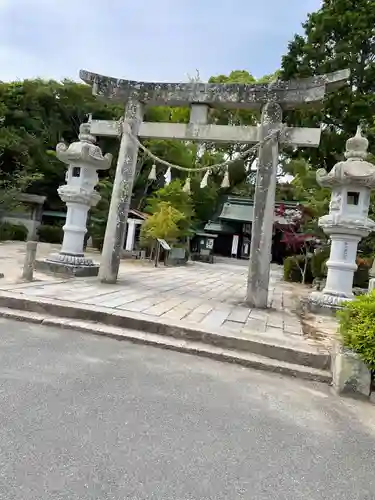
(289, 94)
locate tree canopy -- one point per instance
(340, 35)
(165, 223)
(36, 114)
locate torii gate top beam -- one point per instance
(290, 95)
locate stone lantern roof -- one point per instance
(84, 150)
(355, 170)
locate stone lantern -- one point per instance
(83, 158)
(351, 182)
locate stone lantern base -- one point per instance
(324, 303)
(68, 265)
(350, 376)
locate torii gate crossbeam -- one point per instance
(272, 99)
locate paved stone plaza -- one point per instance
(12, 257)
(204, 295)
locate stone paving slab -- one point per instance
(197, 291)
(209, 297)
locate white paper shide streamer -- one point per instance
(226, 182)
(207, 169)
(168, 176)
(186, 188)
(152, 174)
(204, 180)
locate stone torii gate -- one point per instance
(271, 99)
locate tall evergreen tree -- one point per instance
(340, 35)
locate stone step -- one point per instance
(245, 359)
(297, 351)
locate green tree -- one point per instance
(204, 201)
(240, 169)
(306, 190)
(98, 215)
(188, 154)
(174, 196)
(340, 35)
(34, 116)
(164, 223)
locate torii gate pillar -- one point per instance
(270, 99)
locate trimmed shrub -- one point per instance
(97, 233)
(318, 263)
(362, 273)
(4, 231)
(20, 232)
(357, 327)
(50, 234)
(97, 242)
(13, 232)
(293, 269)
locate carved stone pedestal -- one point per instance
(324, 303)
(68, 265)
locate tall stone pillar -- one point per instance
(84, 159)
(264, 209)
(121, 194)
(351, 182)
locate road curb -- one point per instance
(53, 308)
(241, 358)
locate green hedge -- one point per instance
(13, 232)
(362, 273)
(318, 263)
(293, 266)
(361, 277)
(97, 232)
(357, 327)
(319, 268)
(50, 234)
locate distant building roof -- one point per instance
(242, 210)
(236, 212)
(202, 233)
(219, 227)
(241, 200)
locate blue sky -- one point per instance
(146, 39)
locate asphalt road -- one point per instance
(84, 417)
